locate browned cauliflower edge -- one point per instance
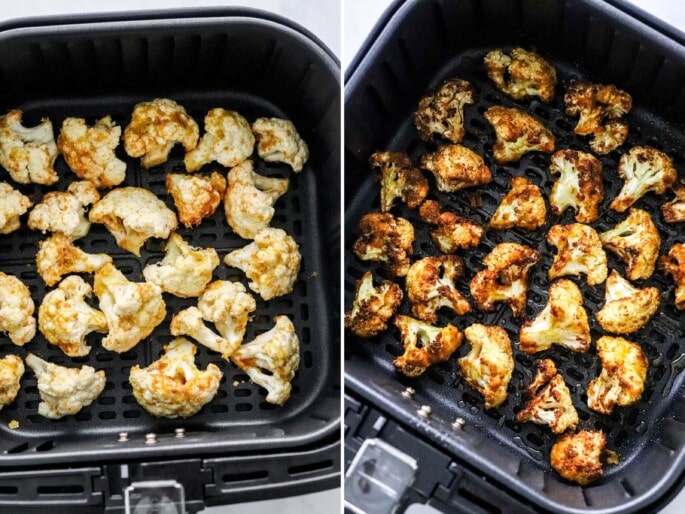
(399, 179)
(522, 206)
(385, 238)
(577, 457)
(579, 251)
(627, 309)
(372, 306)
(521, 74)
(451, 232)
(579, 185)
(674, 211)
(674, 264)
(442, 113)
(517, 133)
(456, 167)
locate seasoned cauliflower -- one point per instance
(626, 308)
(271, 262)
(456, 167)
(13, 204)
(228, 305)
(674, 264)
(579, 251)
(28, 154)
(579, 185)
(521, 74)
(64, 211)
(65, 319)
(16, 310)
(65, 391)
(452, 232)
(523, 206)
(271, 359)
(89, 151)
(517, 133)
(250, 198)
(490, 363)
(133, 215)
(173, 386)
(563, 322)
(399, 179)
(442, 112)
(195, 197)
(372, 306)
(424, 345)
(132, 309)
(58, 256)
(505, 279)
(673, 211)
(385, 238)
(155, 128)
(11, 371)
(280, 142)
(189, 322)
(576, 457)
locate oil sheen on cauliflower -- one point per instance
(442, 113)
(521, 74)
(451, 232)
(11, 371)
(195, 197)
(58, 256)
(399, 179)
(373, 307)
(13, 204)
(579, 251)
(673, 211)
(579, 185)
(279, 141)
(189, 322)
(523, 207)
(64, 211)
(517, 134)
(385, 238)
(577, 457)
(228, 305)
(674, 264)
(456, 167)
(627, 309)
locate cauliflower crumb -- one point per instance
(373, 307)
(673, 211)
(517, 133)
(280, 142)
(576, 457)
(195, 197)
(385, 238)
(456, 167)
(579, 185)
(58, 256)
(16, 310)
(626, 308)
(228, 305)
(442, 112)
(579, 252)
(12, 425)
(523, 206)
(521, 74)
(451, 232)
(424, 345)
(13, 204)
(674, 264)
(64, 211)
(399, 179)
(11, 371)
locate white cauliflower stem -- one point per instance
(626, 308)
(58, 256)
(189, 322)
(65, 211)
(13, 204)
(16, 310)
(11, 371)
(280, 142)
(228, 305)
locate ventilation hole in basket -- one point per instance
(217, 409)
(129, 356)
(106, 400)
(19, 448)
(7, 490)
(436, 377)
(28, 248)
(470, 398)
(575, 374)
(28, 275)
(582, 361)
(104, 357)
(32, 404)
(242, 393)
(535, 439)
(308, 360)
(83, 416)
(60, 489)
(130, 414)
(243, 407)
(45, 446)
(512, 425)
(304, 311)
(267, 406)
(108, 414)
(5, 249)
(128, 399)
(249, 476)
(310, 467)
(393, 350)
(109, 386)
(297, 227)
(207, 239)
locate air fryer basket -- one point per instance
(584, 40)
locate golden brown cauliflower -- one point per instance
(456, 167)
(442, 112)
(523, 206)
(399, 179)
(673, 211)
(16, 310)
(189, 322)
(626, 308)
(674, 264)
(579, 251)
(11, 371)
(13, 204)
(280, 142)
(58, 256)
(579, 185)
(195, 197)
(228, 305)
(576, 457)
(372, 306)
(64, 211)
(385, 238)
(517, 133)
(452, 232)
(521, 74)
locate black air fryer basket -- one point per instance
(417, 45)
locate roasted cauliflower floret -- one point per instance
(442, 112)
(271, 359)
(28, 154)
(133, 215)
(89, 151)
(11, 371)
(399, 179)
(58, 256)
(626, 308)
(451, 232)
(228, 305)
(517, 133)
(385, 238)
(16, 310)
(271, 262)
(280, 142)
(65, 319)
(674, 264)
(132, 309)
(521, 74)
(506, 277)
(523, 206)
(456, 167)
(195, 197)
(579, 185)
(576, 457)
(372, 306)
(64, 211)
(173, 386)
(673, 211)
(622, 380)
(65, 391)
(579, 251)
(13, 204)
(189, 322)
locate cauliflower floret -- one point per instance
(490, 363)
(399, 179)
(674, 211)
(89, 151)
(373, 306)
(456, 167)
(280, 142)
(576, 457)
(58, 256)
(424, 345)
(228, 140)
(522, 207)
(442, 112)
(517, 133)
(189, 322)
(452, 232)
(28, 154)
(195, 197)
(579, 185)
(527, 73)
(622, 380)
(271, 262)
(16, 310)
(626, 308)
(674, 264)
(228, 305)
(11, 371)
(65, 391)
(132, 309)
(430, 286)
(65, 319)
(563, 322)
(173, 386)
(133, 215)
(643, 169)
(506, 277)
(250, 198)
(579, 251)
(385, 238)
(271, 359)
(13, 204)
(155, 128)
(549, 400)
(64, 211)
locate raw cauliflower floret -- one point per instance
(385, 238)
(430, 286)
(442, 112)
(626, 308)
(424, 345)
(13, 204)
(456, 167)
(452, 232)
(521, 74)
(579, 251)
(490, 363)
(65, 319)
(563, 322)
(228, 140)
(643, 169)
(271, 359)
(674, 264)
(523, 206)
(280, 142)
(133, 215)
(28, 154)
(576, 457)
(517, 133)
(622, 380)
(65, 391)
(132, 309)
(58, 256)
(64, 211)
(373, 306)
(189, 322)
(173, 386)
(399, 179)
(11, 371)
(16, 310)
(506, 277)
(271, 262)
(89, 151)
(195, 197)
(250, 198)
(155, 129)
(579, 185)
(228, 305)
